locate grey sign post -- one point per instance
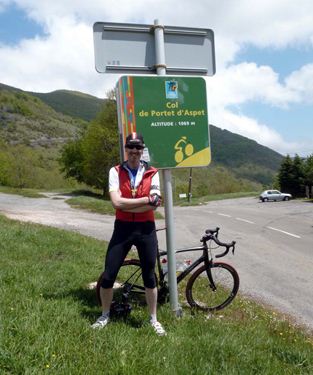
(156, 49)
(168, 191)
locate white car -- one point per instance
(274, 195)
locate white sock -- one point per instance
(106, 314)
(153, 318)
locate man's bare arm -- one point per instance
(126, 204)
(141, 209)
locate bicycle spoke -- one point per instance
(201, 293)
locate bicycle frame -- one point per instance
(203, 264)
(204, 258)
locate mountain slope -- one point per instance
(25, 119)
(245, 157)
(233, 149)
(72, 103)
(53, 118)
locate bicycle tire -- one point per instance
(129, 279)
(200, 294)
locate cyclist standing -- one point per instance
(134, 189)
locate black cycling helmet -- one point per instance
(134, 139)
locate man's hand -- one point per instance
(155, 200)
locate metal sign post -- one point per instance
(168, 192)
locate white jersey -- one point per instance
(114, 184)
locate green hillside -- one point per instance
(25, 119)
(47, 121)
(72, 103)
(31, 136)
(245, 157)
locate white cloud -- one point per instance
(261, 133)
(64, 57)
(245, 82)
(302, 82)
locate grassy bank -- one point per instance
(29, 193)
(46, 310)
(94, 202)
(214, 197)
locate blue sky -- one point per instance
(16, 25)
(263, 87)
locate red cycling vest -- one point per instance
(143, 190)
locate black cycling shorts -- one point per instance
(125, 234)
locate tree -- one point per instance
(291, 176)
(23, 167)
(308, 174)
(298, 177)
(4, 164)
(285, 175)
(72, 159)
(90, 158)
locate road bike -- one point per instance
(212, 285)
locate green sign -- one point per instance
(171, 114)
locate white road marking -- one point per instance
(282, 231)
(245, 220)
(224, 215)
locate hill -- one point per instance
(31, 136)
(72, 103)
(245, 157)
(25, 119)
(51, 119)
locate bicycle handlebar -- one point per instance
(213, 231)
(211, 234)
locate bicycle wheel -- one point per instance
(204, 296)
(128, 283)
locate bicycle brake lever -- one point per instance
(233, 247)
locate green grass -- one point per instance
(215, 197)
(29, 193)
(46, 310)
(92, 202)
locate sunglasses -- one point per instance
(131, 147)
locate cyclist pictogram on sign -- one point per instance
(183, 148)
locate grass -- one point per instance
(46, 310)
(92, 204)
(215, 197)
(95, 203)
(29, 193)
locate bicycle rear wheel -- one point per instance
(203, 295)
(128, 284)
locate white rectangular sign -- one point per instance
(130, 48)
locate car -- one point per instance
(274, 195)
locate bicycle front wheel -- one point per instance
(201, 293)
(128, 284)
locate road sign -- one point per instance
(171, 114)
(130, 48)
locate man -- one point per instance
(134, 189)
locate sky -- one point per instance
(263, 86)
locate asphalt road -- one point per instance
(274, 251)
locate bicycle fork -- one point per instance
(208, 264)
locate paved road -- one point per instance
(274, 254)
